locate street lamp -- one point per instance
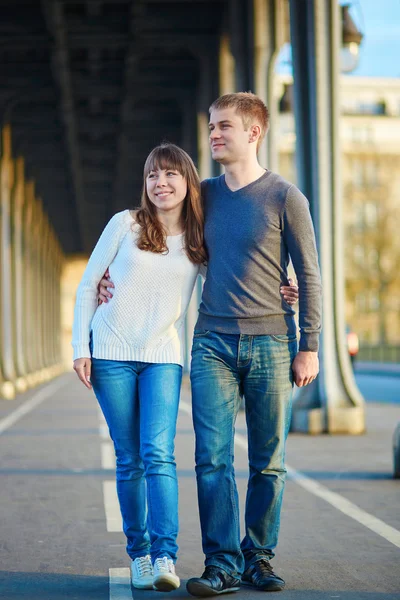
(351, 40)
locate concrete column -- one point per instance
(57, 268)
(46, 298)
(227, 67)
(241, 33)
(57, 304)
(7, 389)
(19, 284)
(207, 91)
(271, 32)
(263, 52)
(333, 402)
(29, 305)
(37, 283)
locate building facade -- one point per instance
(370, 167)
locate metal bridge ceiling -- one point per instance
(90, 87)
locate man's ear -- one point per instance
(254, 133)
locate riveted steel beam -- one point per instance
(53, 11)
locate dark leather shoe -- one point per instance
(213, 582)
(261, 576)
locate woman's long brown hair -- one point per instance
(152, 236)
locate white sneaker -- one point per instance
(142, 573)
(165, 578)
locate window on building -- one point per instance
(361, 302)
(371, 214)
(358, 173)
(373, 301)
(362, 134)
(359, 254)
(372, 108)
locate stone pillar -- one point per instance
(45, 294)
(19, 284)
(263, 52)
(241, 33)
(59, 266)
(227, 67)
(207, 91)
(29, 304)
(7, 386)
(332, 402)
(271, 32)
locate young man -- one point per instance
(245, 343)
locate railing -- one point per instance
(384, 354)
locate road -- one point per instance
(61, 531)
(379, 388)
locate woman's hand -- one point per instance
(104, 294)
(290, 292)
(83, 367)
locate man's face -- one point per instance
(229, 140)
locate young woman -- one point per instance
(131, 351)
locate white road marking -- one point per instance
(32, 403)
(107, 456)
(120, 584)
(336, 500)
(345, 506)
(103, 430)
(111, 506)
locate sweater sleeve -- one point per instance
(86, 296)
(299, 236)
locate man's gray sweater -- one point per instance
(250, 235)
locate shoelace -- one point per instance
(144, 566)
(264, 567)
(163, 564)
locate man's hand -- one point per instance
(83, 367)
(290, 292)
(104, 294)
(305, 368)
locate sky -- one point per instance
(379, 21)
(380, 48)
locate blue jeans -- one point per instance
(140, 404)
(224, 368)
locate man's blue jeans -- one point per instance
(225, 367)
(140, 404)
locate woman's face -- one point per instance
(166, 189)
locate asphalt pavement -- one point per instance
(60, 525)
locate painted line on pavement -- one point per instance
(103, 428)
(111, 506)
(103, 431)
(107, 456)
(120, 584)
(389, 533)
(32, 403)
(346, 507)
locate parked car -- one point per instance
(353, 344)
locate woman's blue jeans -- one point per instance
(140, 404)
(224, 368)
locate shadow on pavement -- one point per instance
(55, 586)
(52, 586)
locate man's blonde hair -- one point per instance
(248, 106)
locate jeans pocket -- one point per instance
(284, 338)
(200, 333)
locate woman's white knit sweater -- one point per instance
(144, 321)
